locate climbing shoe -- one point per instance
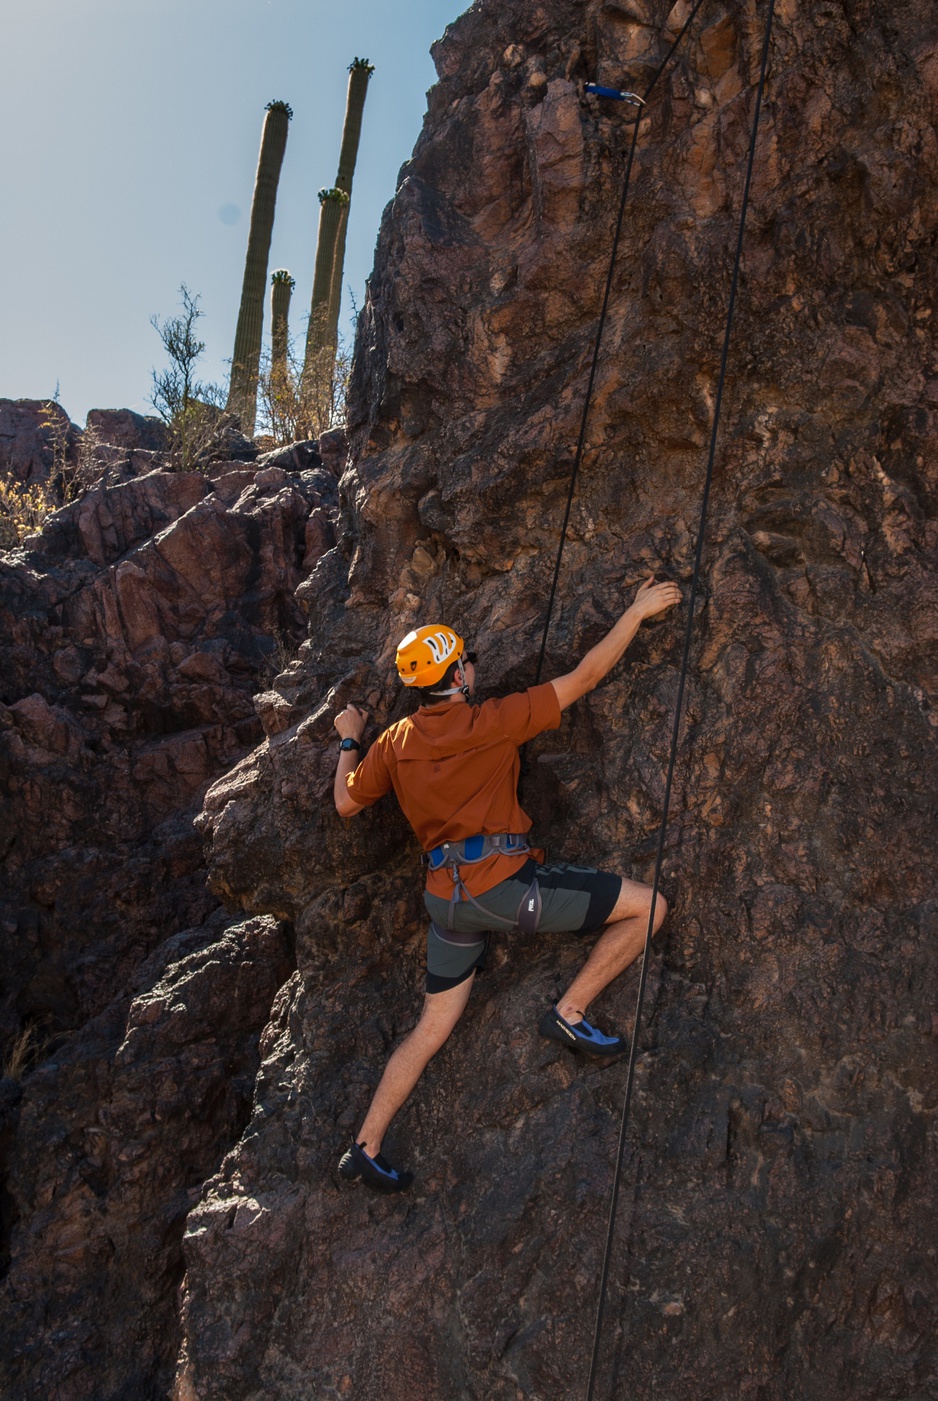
(580, 1036)
(376, 1172)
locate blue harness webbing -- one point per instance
(468, 852)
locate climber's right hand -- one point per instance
(351, 722)
(654, 598)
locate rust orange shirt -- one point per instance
(454, 768)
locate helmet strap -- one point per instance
(456, 690)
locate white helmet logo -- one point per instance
(440, 645)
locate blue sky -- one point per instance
(130, 137)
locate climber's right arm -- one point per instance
(651, 598)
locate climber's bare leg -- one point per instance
(441, 1012)
(620, 943)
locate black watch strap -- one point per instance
(350, 744)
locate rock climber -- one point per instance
(454, 768)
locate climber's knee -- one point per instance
(634, 902)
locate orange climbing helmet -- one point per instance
(424, 655)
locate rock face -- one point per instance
(780, 1166)
(137, 631)
(168, 1070)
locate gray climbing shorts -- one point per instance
(575, 900)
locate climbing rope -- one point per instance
(685, 659)
(578, 456)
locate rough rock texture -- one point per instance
(29, 430)
(771, 1240)
(136, 632)
(773, 1237)
(125, 429)
(117, 1131)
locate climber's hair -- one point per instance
(426, 694)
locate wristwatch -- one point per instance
(350, 744)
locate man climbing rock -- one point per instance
(454, 767)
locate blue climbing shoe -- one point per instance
(376, 1172)
(580, 1036)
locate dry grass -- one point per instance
(25, 1050)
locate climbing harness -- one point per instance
(469, 852)
(688, 632)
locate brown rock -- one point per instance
(129, 658)
(31, 432)
(111, 520)
(125, 429)
(115, 1131)
(333, 450)
(133, 639)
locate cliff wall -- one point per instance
(780, 1163)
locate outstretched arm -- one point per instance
(350, 724)
(651, 598)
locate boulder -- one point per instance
(295, 457)
(333, 449)
(124, 428)
(36, 437)
(135, 632)
(115, 1132)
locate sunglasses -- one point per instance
(469, 657)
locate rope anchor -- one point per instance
(617, 94)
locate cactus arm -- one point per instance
(245, 362)
(281, 290)
(359, 73)
(322, 336)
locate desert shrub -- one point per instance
(23, 508)
(289, 413)
(193, 410)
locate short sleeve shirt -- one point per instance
(454, 768)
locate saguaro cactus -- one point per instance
(281, 290)
(245, 362)
(322, 336)
(360, 70)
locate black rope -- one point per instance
(688, 632)
(578, 456)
